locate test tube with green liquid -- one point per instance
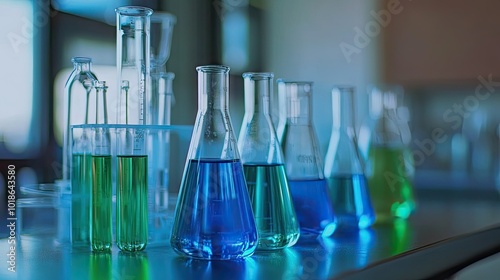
(132, 192)
(102, 185)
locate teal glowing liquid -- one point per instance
(351, 201)
(389, 184)
(277, 224)
(81, 182)
(101, 203)
(132, 203)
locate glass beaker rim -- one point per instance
(285, 81)
(81, 59)
(213, 69)
(258, 75)
(134, 11)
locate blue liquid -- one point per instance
(351, 201)
(313, 207)
(213, 217)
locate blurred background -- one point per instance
(444, 53)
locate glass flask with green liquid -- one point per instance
(343, 166)
(389, 166)
(264, 168)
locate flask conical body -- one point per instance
(213, 216)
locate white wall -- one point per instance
(303, 39)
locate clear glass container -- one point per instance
(162, 27)
(77, 90)
(343, 166)
(133, 63)
(101, 172)
(213, 216)
(264, 168)
(389, 167)
(303, 162)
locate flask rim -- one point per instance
(134, 11)
(258, 75)
(285, 81)
(344, 88)
(213, 69)
(81, 59)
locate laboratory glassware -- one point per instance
(389, 166)
(101, 198)
(161, 143)
(77, 90)
(344, 167)
(264, 168)
(133, 59)
(133, 62)
(304, 165)
(213, 216)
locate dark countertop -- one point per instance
(440, 215)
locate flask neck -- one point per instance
(213, 86)
(82, 66)
(343, 108)
(257, 94)
(299, 104)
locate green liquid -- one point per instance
(275, 218)
(81, 181)
(102, 231)
(132, 203)
(389, 184)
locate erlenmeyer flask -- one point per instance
(264, 168)
(343, 166)
(213, 216)
(304, 165)
(389, 165)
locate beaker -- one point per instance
(343, 166)
(304, 165)
(133, 62)
(389, 167)
(264, 168)
(213, 215)
(102, 185)
(77, 89)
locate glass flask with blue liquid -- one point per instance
(343, 166)
(264, 167)
(213, 217)
(304, 165)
